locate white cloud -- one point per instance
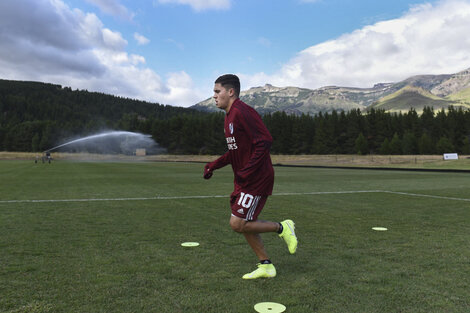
(114, 8)
(181, 88)
(200, 5)
(113, 40)
(52, 40)
(141, 40)
(69, 47)
(428, 39)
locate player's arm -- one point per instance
(261, 140)
(222, 161)
(257, 159)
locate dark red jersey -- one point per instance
(248, 142)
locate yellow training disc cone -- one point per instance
(379, 228)
(269, 307)
(190, 244)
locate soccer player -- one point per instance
(248, 142)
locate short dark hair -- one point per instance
(230, 81)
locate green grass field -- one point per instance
(109, 240)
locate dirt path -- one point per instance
(413, 161)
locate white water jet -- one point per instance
(112, 142)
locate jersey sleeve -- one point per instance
(261, 140)
(220, 162)
(256, 161)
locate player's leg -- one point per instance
(245, 210)
(257, 245)
(253, 238)
(265, 268)
(285, 229)
(241, 225)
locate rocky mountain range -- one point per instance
(437, 91)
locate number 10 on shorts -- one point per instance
(245, 200)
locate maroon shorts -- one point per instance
(247, 206)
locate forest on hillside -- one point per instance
(36, 116)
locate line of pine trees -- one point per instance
(353, 132)
(376, 132)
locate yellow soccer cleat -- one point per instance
(288, 234)
(263, 271)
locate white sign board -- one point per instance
(451, 156)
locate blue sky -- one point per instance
(171, 51)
